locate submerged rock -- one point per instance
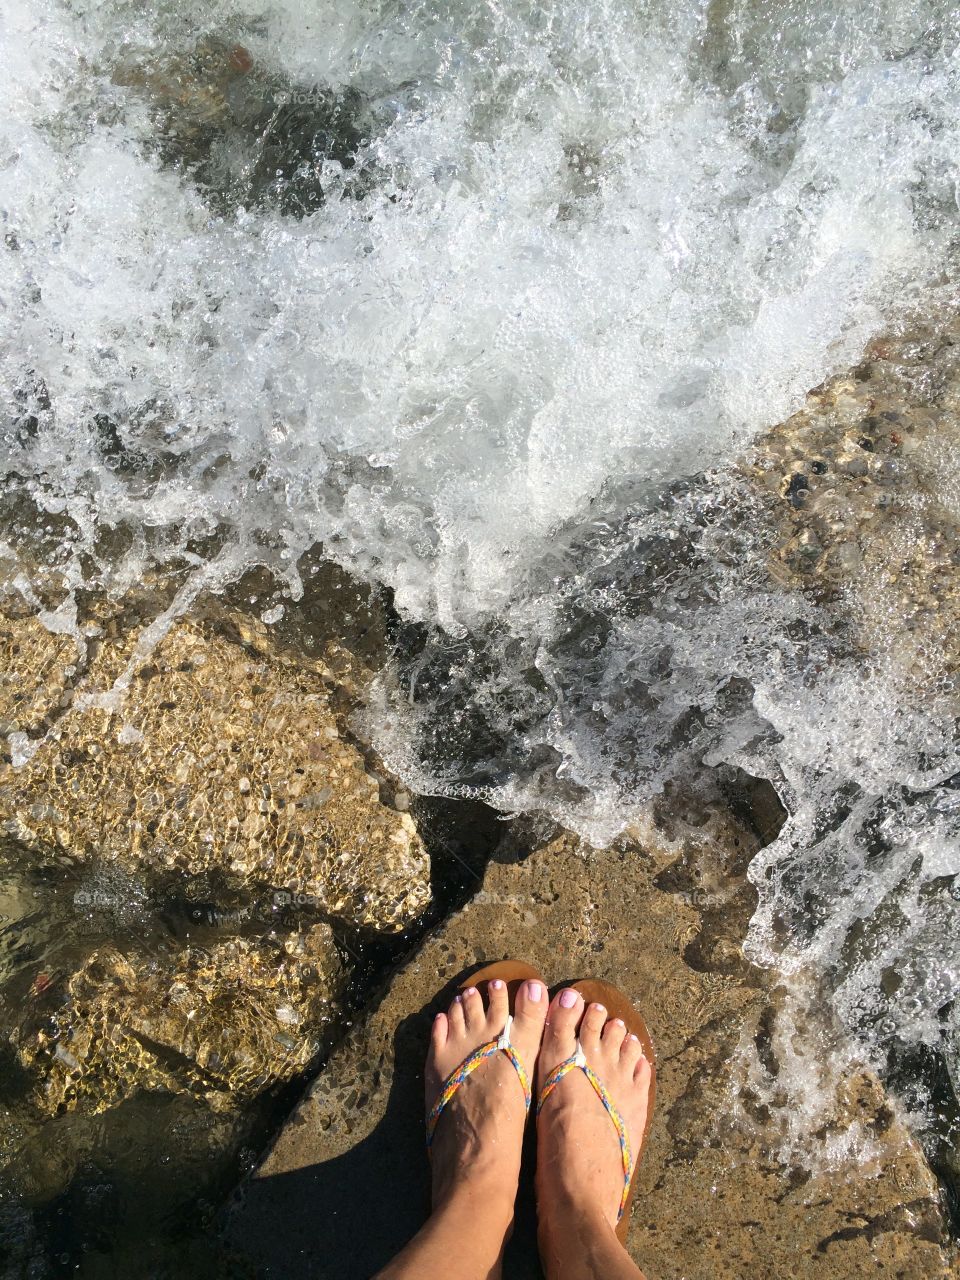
(246, 135)
(188, 799)
(203, 756)
(221, 1023)
(713, 1200)
(861, 478)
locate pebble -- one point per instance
(853, 466)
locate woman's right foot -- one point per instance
(475, 1153)
(579, 1163)
(479, 1135)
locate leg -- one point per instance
(476, 1150)
(463, 1239)
(579, 1167)
(583, 1247)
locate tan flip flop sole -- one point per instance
(618, 1006)
(513, 972)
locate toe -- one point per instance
(592, 1025)
(455, 1018)
(642, 1073)
(563, 1018)
(498, 1005)
(631, 1052)
(530, 1007)
(475, 1015)
(438, 1032)
(614, 1034)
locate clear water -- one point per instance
(488, 300)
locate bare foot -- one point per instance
(579, 1164)
(479, 1135)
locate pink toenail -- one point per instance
(619, 1022)
(598, 1008)
(470, 991)
(496, 983)
(534, 991)
(458, 998)
(633, 1037)
(568, 999)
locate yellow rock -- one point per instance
(222, 1023)
(212, 757)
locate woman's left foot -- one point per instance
(479, 1135)
(579, 1163)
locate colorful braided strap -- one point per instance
(469, 1065)
(551, 1082)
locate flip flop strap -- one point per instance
(469, 1065)
(564, 1068)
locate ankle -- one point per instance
(573, 1231)
(577, 1239)
(564, 1212)
(476, 1181)
(471, 1221)
(577, 1232)
(572, 1191)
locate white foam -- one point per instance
(493, 329)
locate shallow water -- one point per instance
(490, 303)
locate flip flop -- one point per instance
(617, 1006)
(513, 973)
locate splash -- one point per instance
(585, 248)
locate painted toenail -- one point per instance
(634, 1038)
(534, 991)
(458, 998)
(496, 983)
(598, 1008)
(619, 1022)
(568, 999)
(470, 991)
